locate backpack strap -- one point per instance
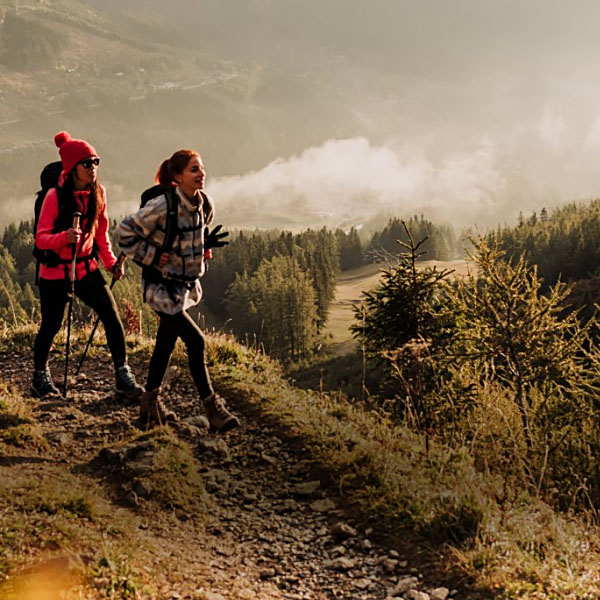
(37, 272)
(171, 221)
(207, 209)
(152, 273)
(46, 257)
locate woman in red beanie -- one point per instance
(78, 191)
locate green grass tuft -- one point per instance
(17, 427)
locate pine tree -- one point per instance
(403, 322)
(350, 249)
(402, 307)
(277, 306)
(521, 335)
(12, 312)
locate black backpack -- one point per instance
(150, 273)
(48, 180)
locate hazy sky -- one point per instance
(474, 108)
(467, 110)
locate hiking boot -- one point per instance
(219, 417)
(42, 385)
(126, 386)
(152, 410)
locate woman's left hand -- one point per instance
(118, 271)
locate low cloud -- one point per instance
(486, 181)
(353, 180)
(482, 181)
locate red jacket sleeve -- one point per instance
(45, 238)
(107, 256)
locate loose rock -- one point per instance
(307, 488)
(343, 531)
(404, 585)
(324, 505)
(416, 595)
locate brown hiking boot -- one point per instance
(153, 410)
(219, 417)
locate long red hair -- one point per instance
(175, 164)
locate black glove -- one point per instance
(214, 239)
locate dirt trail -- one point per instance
(273, 528)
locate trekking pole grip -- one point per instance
(76, 218)
(120, 260)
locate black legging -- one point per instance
(169, 329)
(93, 290)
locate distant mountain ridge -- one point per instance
(139, 84)
(249, 84)
(86, 42)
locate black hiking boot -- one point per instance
(126, 385)
(219, 417)
(42, 385)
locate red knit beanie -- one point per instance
(71, 151)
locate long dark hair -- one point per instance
(66, 202)
(175, 164)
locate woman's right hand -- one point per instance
(73, 236)
(164, 259)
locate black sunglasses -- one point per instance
(87, 163)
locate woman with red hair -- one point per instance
(171, 278)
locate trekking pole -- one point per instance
(76, 217)
(119, 263)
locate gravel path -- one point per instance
(274, 528)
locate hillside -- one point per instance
(73, 48)
(312, 498)
(93, 505)
(85, 73)
(284, 104)
(139, 86)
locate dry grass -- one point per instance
(57, 532)
(511, 543)
(174, 482)
(61, 533)
(17, 426)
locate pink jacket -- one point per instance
(46, 239)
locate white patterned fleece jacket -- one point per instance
(141, 236)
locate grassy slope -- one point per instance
(420, 495)
(512, 544)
